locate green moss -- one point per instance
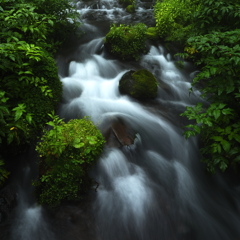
(130, 8)
(139, 84)
(145, 84)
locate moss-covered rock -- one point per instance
(140, 84)
(67, 152)
(126, 3)
(130, 8)
(127, 42)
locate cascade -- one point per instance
(154, 189)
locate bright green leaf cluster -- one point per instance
(173, 18)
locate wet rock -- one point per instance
(140, 84)
(7, 202)
(117, 133)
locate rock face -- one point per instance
(140, 84)
(7, 202)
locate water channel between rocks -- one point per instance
(154, 189)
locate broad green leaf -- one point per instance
(221, 105)
(216, 114)
(18, 115)
(217, 138)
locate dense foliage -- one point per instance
(126, 41)
(31, 32)
(173, 18)
(215, 47)
(67, 152)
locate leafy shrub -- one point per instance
(67, 152)
(218, 54)
(28, 73)
(63, 17)
(31, 31)
(221, 15)
(127, 42)
(173, 18)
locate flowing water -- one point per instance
(154, 189)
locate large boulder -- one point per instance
(140, 84)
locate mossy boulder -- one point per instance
(130, 8)
(140, 84)
(127, 42)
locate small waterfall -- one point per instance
(29, 222)
(155, 189)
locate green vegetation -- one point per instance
(152, 33)
(31, 32)
(127, 42)
(173, 18)
(214, 46)
(67, 152)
